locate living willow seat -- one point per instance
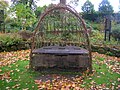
(61, 40)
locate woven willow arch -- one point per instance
(66, 10)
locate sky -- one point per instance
(114, 3)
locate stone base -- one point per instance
(59, 61)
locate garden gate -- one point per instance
(60, 40)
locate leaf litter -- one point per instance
(60, 81)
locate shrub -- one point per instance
(25, 35)
(116, 32)
(9, 42)
(96, 26)
(10, 39)
(96, 37)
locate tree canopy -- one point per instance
(88, 7)
(24, 16)
(3, 4)
(105, 7)
(39, 10)
(30, 3)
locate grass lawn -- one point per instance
(18, 76)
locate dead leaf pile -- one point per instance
(7, 58)
(60, 83)
(112, 63)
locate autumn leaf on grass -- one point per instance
(11, 57)
(1, 76)
(60, 83)
(118, 79)
(38, 82)
(7, 88)
(118, 87)
(17, 70)
(27, 67)
(26, 89)
(0, 70)
(16, 86)
(103, 85)
(6, 75)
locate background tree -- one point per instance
(39, 10)
(3, 14)
(105, 7)
(63, 1)
(24, 12)
(88, 7)
(30, 3)
(3, 5)
(24, 16)
(106, 10)
(88, 11)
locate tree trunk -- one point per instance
(63, 2)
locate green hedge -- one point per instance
(14, 41)
(111, 51)
(10, 42)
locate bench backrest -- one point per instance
(60, 25)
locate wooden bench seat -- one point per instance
(59, 50)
